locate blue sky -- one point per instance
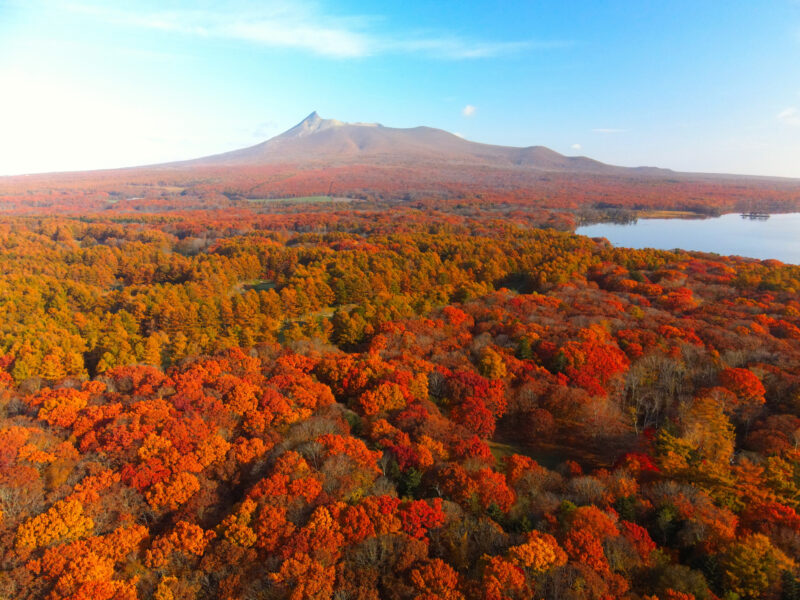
(691, 85)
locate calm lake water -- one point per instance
(775, 237)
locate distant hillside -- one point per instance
(316, 140)
(423, 165)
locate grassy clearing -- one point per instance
(259, 285)
(299, 200)
(669, 214)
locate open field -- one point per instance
(669, 214)
(300, 200)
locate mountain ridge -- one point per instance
(317, 140)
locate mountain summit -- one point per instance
(313, 123)
(317, 141)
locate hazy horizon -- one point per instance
(686, 87)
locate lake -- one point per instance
(777, 236)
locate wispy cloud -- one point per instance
(790, 116)
(576, 147)
(305, 26)
(608, 130)
(457, 48)
(290, 26)
(468, 110)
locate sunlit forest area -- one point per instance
(436, 400)
(318, 300)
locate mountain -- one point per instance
(316, 141)
(326, 157)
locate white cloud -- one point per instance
(468, 110)
(458, 134)
(576, 147)
(790, 116)
(454, 48)
(608, 130)
(302, 25)
(326, 41)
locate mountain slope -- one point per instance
(316, 140)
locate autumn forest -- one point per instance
(210, 393)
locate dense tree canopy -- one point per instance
(402, 403)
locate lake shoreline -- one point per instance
(761, 236)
